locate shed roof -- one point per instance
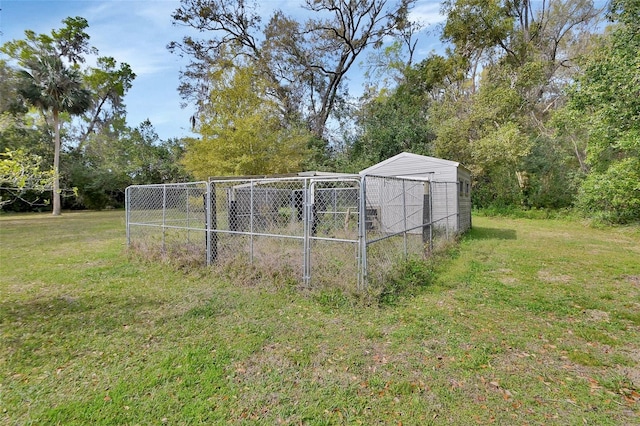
(407, 164)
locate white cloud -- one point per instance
(427, 13)
(134, 32)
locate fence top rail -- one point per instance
(260, 180)
(301, 175)
(407, 177)
(162, 185)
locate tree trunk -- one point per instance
(55, 196)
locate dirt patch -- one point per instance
(633, 279)
(632, 374)
(270, 358)
(596, 316)
(547, 276)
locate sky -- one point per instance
(138, 31)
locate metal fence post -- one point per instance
(458, 206)
(430, 217)
(164, 214)
(306, 225)
(362, 233)
(446, 203)
(188, 216)
(404, 216)
(213, 223)
(251, 219)
(127, 208)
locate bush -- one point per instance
(613, 195)
(408, 277)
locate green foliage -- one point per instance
(391, 124)
(496, 188)
(70, 42)
(27, 132)
(242, 132)
(408, 278)
(613, 195)
(506, 145)
(485, 131)
(108, 84)
(10, 100)
(551, 175)
(476, 24)
(48, 84)
(21, 172)
(605, 103)
(107, 164)
(305, 63)
(50, 79)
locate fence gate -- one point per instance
(331, 234)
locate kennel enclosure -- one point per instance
(316, 227)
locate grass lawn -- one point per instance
(529, 322)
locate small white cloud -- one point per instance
(134, 32)
(427, 13)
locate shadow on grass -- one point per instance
(69, 311)
(483, 233)
(42, 307)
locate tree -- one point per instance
(54, 88)
(305, 63)
(512, 61)
(605, 105)
(48, 83)
(393, 122)
(242, 130)
(52, 80)
(121, 156)
(10, 100)
(108, 85)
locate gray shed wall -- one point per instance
(444, 198)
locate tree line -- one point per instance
(539, 100)
(63, 135)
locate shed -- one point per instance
(446, 188)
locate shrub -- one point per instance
(613, 195)
(406, 279)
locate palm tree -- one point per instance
(54, 88)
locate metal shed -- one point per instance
(429, 169)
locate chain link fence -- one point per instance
(168, 220)
(347, 231)
(405, 219)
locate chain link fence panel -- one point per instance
(169, 220)
(405, 219)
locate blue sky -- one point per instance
(137, 32)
